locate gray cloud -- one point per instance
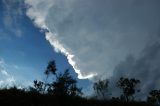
(107, 38)
(146, 69)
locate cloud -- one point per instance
(39, 15)
(146, 69)
(12, 14)
(16, 75)
(6, 79)
(97, 35)
(59, 47)
(4, 72)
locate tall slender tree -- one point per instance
(51, 69)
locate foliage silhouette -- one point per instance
(64, 85)
(154, 97)
(38, 86)
(17, 97)
(51, 69)
(128, 88)
(101, 88)
(63, 90)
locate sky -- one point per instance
(97, 39)
(24, 51)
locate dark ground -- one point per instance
(14, 97)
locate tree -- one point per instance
(64, 85)
(128, 87)
(101, 87)
(154, 97)
(51, 69)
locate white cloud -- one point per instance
(39, 17)
(16, 75)
(4, 72)
(7, 83)
(58, 47)
(6, 79)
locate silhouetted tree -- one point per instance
(64, 85)
(128, 87)
(101, 88)
(154, 97)
(51, 69)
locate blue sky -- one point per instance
(23, 48)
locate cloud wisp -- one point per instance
(12, 14)
(6, 79)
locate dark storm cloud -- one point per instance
(107, 38)
(146, 69)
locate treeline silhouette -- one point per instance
(62, 90)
